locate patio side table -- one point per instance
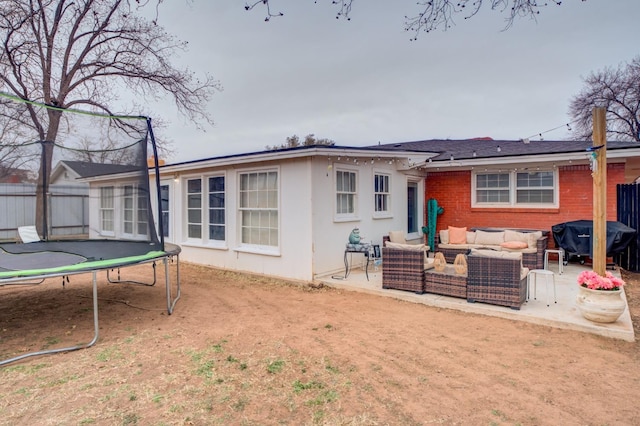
(560, 253)
(365, 249)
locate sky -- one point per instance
(362, 82)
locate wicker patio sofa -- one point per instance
(497, 278)
(532, 255)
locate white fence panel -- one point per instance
(68, 209)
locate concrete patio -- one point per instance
(563, 314)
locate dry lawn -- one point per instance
(245, 350)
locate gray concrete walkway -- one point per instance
(563, 314)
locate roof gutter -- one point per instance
(561, 158)
(412, 157)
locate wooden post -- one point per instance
(599, 235)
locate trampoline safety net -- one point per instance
(76, 174)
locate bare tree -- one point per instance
(616, 89)
(433, 14)
(294, 142)
(70, 54)
(15, 154)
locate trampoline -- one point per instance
(83, 188)
(32, 263)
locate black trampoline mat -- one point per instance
(90, 249)
(46, 259)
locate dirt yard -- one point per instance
(253, 351)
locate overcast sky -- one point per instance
(362, 81)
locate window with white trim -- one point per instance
(515, 189)
(258, 207)
(346, 192)
(535, 187)
(164, 207)
(381, 192)
(194, 208)
(216, 208)
(107, 210)
(206, 208)
(134, 211)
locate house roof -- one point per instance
(494, 149)
(433, 153)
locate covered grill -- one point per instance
(576, 237)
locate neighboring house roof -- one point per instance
(14, 175)
(489, 148)
(84, 169)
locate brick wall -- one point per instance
(452, 190)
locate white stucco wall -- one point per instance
(312, 237)
(331, 233)
(293, 258)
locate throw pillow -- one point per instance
(444, 236)
(457, 235)
(397, 237)
(514, 245)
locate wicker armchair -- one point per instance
(497, 281)
(403, 269)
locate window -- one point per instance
(134, 211)
(381, 194)
(194, 208)
(106, 209)
(216, 208)
(164, 207)
(520, 189)
(206, 208)
(492, 188)
(413, 196)
(142, 218)
(535, 187)
(259, 208)
(346, 189)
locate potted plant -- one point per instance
(600, 297)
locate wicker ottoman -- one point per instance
(446, 283)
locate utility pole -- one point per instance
(599, 169)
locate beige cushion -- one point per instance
(444, 236)
(413, 247)
(457, 235)
(533, 238)
(510, 235)
(397, 237)
(491, 238)
(428, 262)
(497, 254)
(471, 237)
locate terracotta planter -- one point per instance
(600, 305)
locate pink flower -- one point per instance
(590, 279)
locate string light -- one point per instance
(567, 125)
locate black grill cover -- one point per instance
(575, 237)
